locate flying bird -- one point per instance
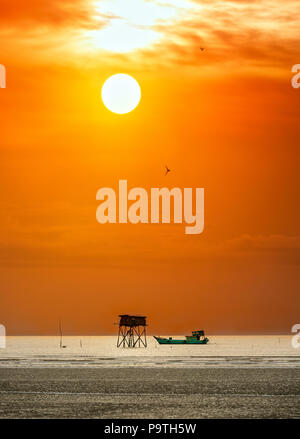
(167, 170)
(202, 48)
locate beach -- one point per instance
(230, 377)
(149, 393)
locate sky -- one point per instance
(225, 119)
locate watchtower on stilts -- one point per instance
(132, 331)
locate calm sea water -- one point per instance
(101, 351)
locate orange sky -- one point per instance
(226, 119)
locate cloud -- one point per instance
(61, 234)
(239, 34)
(28, 14)
(273, 249)
(249, 34)
(260, 243)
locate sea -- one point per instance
(251, 351)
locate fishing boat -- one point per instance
(197, 337)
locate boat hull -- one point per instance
(169, 341)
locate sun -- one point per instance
(121, 93)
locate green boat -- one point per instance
(197, 337)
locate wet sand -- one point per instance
(149, 393)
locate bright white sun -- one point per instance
(121, 93)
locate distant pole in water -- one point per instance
(81, 343)
(60, 331)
